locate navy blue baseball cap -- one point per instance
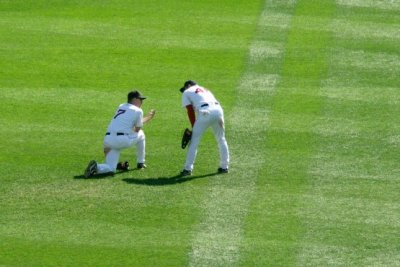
(187, 84)
(135, 94)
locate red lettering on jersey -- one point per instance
(199, 90)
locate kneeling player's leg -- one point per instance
(110, 165)
(140, 147)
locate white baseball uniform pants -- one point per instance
(116, 143)
(211, 116)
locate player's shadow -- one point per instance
(96, 176)
(160, 181)
(103, 175)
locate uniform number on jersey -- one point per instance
(119, 112)
(199, 90)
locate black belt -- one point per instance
(206, 105)
(116, 133)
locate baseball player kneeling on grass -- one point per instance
(201, 102)
(124, 130)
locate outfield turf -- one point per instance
(311, 97)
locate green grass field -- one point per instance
(311, 93)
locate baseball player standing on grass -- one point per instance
(124, 130)
(200, 102)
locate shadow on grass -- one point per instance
(101, 176)
(160, 181)
(95, 177)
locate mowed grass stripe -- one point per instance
(351, 208)
(261, 81)
(385, 4)
(273, 227)
(305, 66)
(219, 238)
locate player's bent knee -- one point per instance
(106, 150)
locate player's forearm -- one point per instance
(149, 117)
(146, 119)
(191, 114)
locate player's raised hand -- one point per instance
(149, 116)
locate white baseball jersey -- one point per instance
(197, 96)
(126, 117)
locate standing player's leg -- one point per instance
(219, 134)
(199, 128)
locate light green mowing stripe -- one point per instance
(273, 231)
(219, 235)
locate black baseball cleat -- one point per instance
(186, 173)
(141, 166)
(91, 169)
(123, 166)
(222, 170)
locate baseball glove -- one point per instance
(187, 135)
